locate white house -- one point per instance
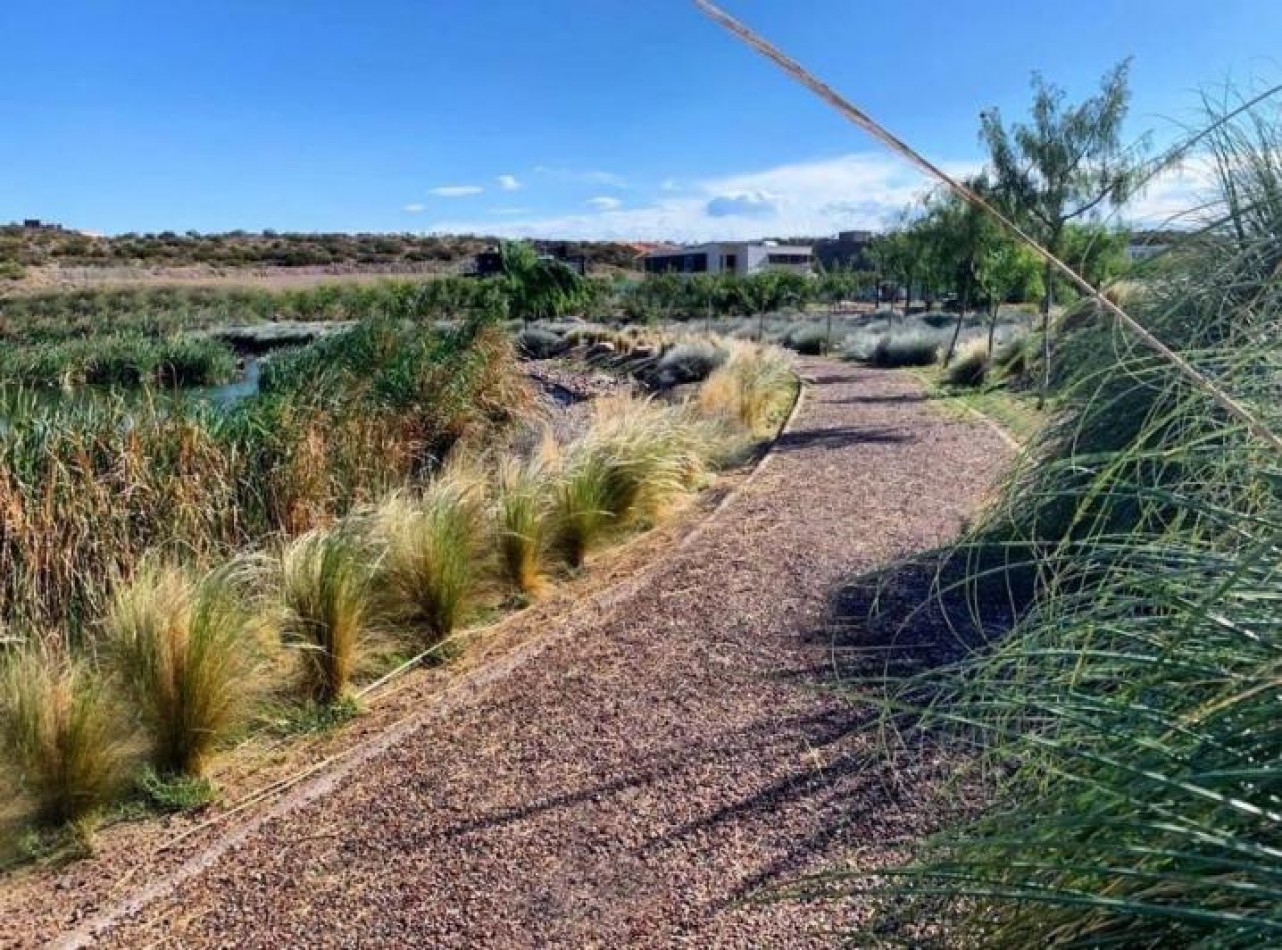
(729, 257)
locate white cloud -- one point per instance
(859, 190)
(586, 177)
(754, 204)
(1175, 197)
(605, 203)
(509, 182)
(414, 208)
(456, 191)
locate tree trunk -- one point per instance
(957, 327)
(908, 296)
(828, 335)
(992, 325)
(1047, 301)
(761, 327)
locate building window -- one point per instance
(677, 264)
(730, 262)
(795, 260)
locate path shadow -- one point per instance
(832, 760)
(922, 611)
(827, 379)
(838, 437)
(878, 400)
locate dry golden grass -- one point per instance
(188, 651)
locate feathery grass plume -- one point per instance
(64, 740)
(1131, 716)
(650, 453)
(431, 571)
(580, 516)
(522, 507)
(188, 652)
(326, 608)
(752, 390)
(636, 459)
(969, 366)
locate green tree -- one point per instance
(1063, 165)
(537, 287)
(896, 255)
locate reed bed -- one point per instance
(87, 490)
(186, 633)
(164, 311)
(119, 360)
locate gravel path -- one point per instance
(637, 783)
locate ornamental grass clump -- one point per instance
(579, 515)
(969, 365)
(1128, 725)
(752, 390)
(67, 746)
(326, 609)
(431, 571)
(638, 457)
(894, 350)
(522, 516)
(187, 650)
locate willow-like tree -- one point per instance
(538, 286)
(1063, 165)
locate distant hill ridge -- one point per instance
(39, 244)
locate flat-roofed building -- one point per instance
(729, 257)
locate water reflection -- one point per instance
(26, 400)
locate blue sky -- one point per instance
(575, 118)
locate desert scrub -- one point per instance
(187, 650)
(64, 738)
(752, 390)
(431, 570)
(326, 609)
(808, 339)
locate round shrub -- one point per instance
(538, 344)
(689, 363)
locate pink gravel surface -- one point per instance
(646, 779)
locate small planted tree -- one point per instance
(1062, 166)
